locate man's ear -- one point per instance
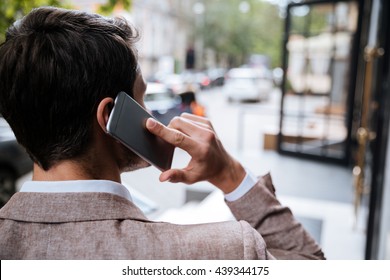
(103, 112)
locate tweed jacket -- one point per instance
(107, 226)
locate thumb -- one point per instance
(173, 176)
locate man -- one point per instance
(60, 72)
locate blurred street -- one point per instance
(195, 62)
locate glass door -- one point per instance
(319, 62)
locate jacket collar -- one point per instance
(69, 207)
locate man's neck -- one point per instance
(73, 170)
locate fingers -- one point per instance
(173, 136)
(179, 176)
(197, 137)
(183, 131)
(171, 175)
(190, 128)
(197, 119)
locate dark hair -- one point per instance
(56, 65)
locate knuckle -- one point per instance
(175, 121)
(180, 177)
(178, 138)
(177, 177)
(158, 128)
(210, 136)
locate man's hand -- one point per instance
(209, 160)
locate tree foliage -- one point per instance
(235, 34)
(108, 8)
(12, 10)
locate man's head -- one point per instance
(56, 66)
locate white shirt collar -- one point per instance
(77, 186)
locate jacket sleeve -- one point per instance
(285, 238)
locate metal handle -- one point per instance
(364, 135)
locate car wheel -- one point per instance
(7, 185)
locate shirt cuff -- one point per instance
(246, 185)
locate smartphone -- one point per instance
(127, 124)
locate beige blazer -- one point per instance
(106, 226)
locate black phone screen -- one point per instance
(127, 123)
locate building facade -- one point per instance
(166, 28)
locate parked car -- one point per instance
(175, 82)
(248, 84)
(164, 104)
(14, 162)
(201, 80)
